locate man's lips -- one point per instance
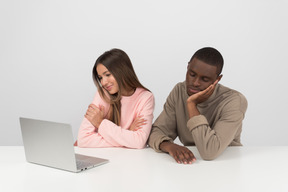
(193, 90)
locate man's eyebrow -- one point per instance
(204, 76)
(191, 70)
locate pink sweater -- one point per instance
(108, 134)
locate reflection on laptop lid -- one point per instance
(51, 144)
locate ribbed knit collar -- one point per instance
(135, 94)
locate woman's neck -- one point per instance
(129, 92)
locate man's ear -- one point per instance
(219, 77)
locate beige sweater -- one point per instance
(218, 126)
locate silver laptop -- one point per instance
(51, 144)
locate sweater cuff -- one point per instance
(102, 125)
(196, 121)
(157, 149)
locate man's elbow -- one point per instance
(209, 155)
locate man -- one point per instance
(200, 112)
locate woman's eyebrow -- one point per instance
(103, 73)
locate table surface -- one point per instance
(237, 169)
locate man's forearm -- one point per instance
(192, 110)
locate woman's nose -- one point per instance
(104, 81)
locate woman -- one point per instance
(121, 113)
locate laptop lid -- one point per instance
(50, 144)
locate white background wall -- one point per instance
(48, 48)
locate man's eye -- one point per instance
(205, 79)
(192, 75)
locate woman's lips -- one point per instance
(108, 88)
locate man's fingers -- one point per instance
(185, 157)
(180, 158)
(176, 157)
(209, 90)
(216, 82)
(190, 157)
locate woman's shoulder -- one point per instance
(98, 98)
(140, 95)
(143, 93)
(144, 98)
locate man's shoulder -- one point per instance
(229, 91)
(178, 93)
(180, 86)
(179, 89)
(229, 94)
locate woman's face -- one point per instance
(107, 80)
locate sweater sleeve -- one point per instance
(211, 142)
(88, 135)
(118, 136)
(164, 128)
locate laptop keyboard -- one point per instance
(82, 161)
(83, 164)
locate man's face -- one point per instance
(199, 76)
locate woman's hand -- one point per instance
(138, 123)
(95, 115)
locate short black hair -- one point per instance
(210, 56)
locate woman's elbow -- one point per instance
(81, 142)
(139, 145)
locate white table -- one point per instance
(237, 169)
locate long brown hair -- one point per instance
(119, 65)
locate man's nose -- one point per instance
(196, 82)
